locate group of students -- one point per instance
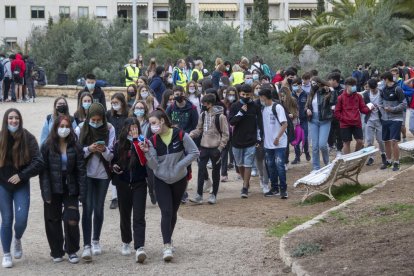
(146, 143)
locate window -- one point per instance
(297, 14)
(11, 42)
(83, 11)
(38, 12)
(10, 12)
(162, 15)
(64, 11)
(213, 14)
(101, 12)
(249, 12)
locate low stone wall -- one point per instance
(71, 91)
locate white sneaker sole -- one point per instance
(126, 253)
(74, 261)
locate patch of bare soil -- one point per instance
(371, 237)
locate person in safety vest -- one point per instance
(179, 78)
(197, 72)
(131, 73)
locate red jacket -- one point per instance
(348, 108)
(18, 61)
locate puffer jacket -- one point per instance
(392, 97)
(325, 103)
(211, 137)
(51, 176)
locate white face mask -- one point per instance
(144, 95)
(134, 65)
(191, 90)
(63, 132)
(170, 80)
(116, 107)
(155, 128)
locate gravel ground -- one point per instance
(202, 249)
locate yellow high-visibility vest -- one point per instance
(198, 72)
(133, 73)
(238, 78)
(182, 81)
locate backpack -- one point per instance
(16, 73)
(180, 137)
(266, 71)
(216, 121)
(290, 130)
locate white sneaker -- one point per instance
(167, 254)
(286, 167)
(96, 248)
(87, 254)
(126, 249)
(140, 255)
(7, 261)
(207, 185)
(18, 251)
(58, 260)
(265, 188)
(73, 258)
(212, 199)
(254, 173)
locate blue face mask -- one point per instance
(130, 138)
(96, 125)
(90, 86)
(248, 81)
(295, 88)
(12, 129)
(354, 89)
(139, 112)
(86, 106)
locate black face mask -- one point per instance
(62, 109)
(245, 100)
(204, 108)
(132, 94)
(179, 99)
(290, 81)
(315, 88)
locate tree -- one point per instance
(178, 14)
(321, 7)
(260, 24)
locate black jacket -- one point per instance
(51, 176)
(246, 124)
(325, 103)
(132, 173)
(25, 172)
(117, 121)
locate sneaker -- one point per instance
(386, 165)
(225, 179)
(57, 260)
(296, 161)
(207, 185)
(198, 199)
(212, 199)
(265, 187)
(283, 195)
(230, 166)
(184, 198)
(114, 204)
(244, 193)
(383, 158)
(209, 165)
(370, 161)
(396, 167)
(308, 157)
(167, 254)
(254, 173)
(18, 251)
(286, 167)
(87, 254)
(140, 255)
(125, 249)
(338, 154)
(7, 261)
(73, 258)
(96, 248)
(272, 193)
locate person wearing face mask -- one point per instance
(96, 136)
(217, 74)
(60, 107)
(392, 105)
(347, 110)
(400, 82)
(229, 70)
(214, 131)
(335, 140)
(178, 76)
(157, 84)
(62, 182)
(97, 93)
(131, 73)
(197, 74)
(131, 94)
(246, 118)
(193, 96)
(20, 160)
(248, 78)
(306, 82)
(145, 94)
(169, 153)
(116, 116)
(84, 104)
(130, 178)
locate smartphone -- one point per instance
(100, 142)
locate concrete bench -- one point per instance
(345, 167)
(407, 147)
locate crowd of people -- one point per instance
(240, 116)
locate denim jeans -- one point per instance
(96, 190)
(275, 161)
(21, 200)
(319, 131)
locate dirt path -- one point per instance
(202, 249)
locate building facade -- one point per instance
(17, 17)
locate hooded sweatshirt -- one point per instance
(185, 118)
(18, 62)
(348, 108)
(211, 137)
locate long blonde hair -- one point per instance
(289, 102)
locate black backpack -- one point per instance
(290, 130)
(16, 73)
